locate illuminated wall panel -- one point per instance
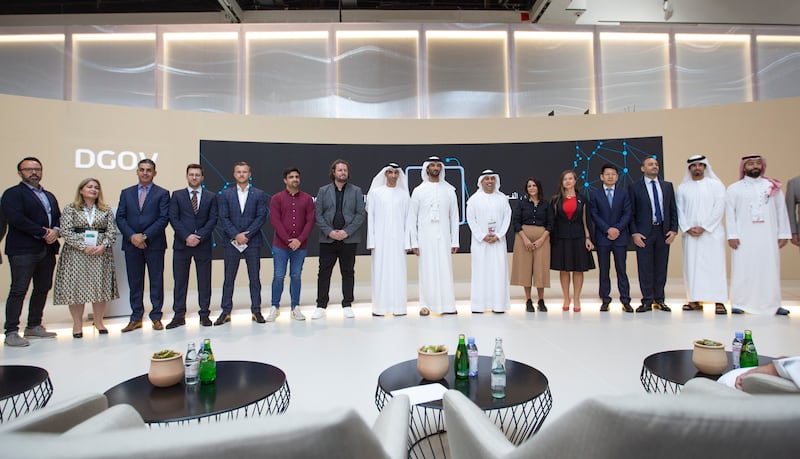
(376, 74)
(635, 71)
(115, 69)
(467, 74)
(32, 65)
(288, 74)
(712, 69)
(554, 71)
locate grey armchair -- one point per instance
(640, 425)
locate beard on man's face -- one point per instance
(753, 173)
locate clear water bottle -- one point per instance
(736, 348)
(191, 366)
(498, 378)
(472, 353)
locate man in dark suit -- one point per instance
(193, 216)
(339, 213)
(610, 207)
(142, 216)
(654, 224)
(242, 213)
(32, 244)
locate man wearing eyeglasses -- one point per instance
(32, 244)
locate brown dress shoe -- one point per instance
(157, 325)
(132, 326)
(222, 319)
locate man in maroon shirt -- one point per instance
(291, 213)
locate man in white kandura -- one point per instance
(758, 227)
(701, 206)
(433, 236)
(387, 209)
(489, 215)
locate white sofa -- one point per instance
(704, 422)
(86, 428)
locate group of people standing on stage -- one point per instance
(555, 233)
(650, 213)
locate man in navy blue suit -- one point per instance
(654, 224)
(142, 216)
(242, 213)
(193, 216)
(610, 207)
(32, 244)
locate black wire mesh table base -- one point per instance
(666, 372)
(242, 389)
(520, 415)
(23, 389)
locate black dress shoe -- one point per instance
(644, 308)
(205, 321)
(257, 317)
(626, 307)
(175, 323)
(736, 311)
(782, 312)
(77, 335)
(663, 307)
(542, 307)
(222, 319)
(604, 307)
(529, 305)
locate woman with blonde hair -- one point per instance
(570, 240)
(85, 272)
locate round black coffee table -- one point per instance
(519, 415)
(668, 371)
(22, 389)
(246, 388)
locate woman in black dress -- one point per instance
(570, 244)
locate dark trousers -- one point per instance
(329, 253)
(181, 264)
(652, 262)
(231, 261)
(36, 267)
(135, 261)
(604, 263)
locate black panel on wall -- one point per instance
(463, 162)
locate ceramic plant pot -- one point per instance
(709, 357)
(166, 372)
(433, 365)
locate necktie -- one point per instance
(610, 197)
(656, 203)
(194, 201)
(142, 197)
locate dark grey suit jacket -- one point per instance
(352, 208)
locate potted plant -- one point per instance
(166, 368)
(433, 362)
(709, 356)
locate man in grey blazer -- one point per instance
(339, 211)
(793, 207)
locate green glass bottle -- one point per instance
(748, 356)
(208, 366)
(461, 361)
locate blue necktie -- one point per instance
(610, 197)
(657, 203)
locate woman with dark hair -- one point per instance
(571, 244)
(530, 264)
(85, 272)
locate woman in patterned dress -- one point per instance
(85, 270)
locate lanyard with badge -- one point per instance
(90, 236)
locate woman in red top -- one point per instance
(571, 246)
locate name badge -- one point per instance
(90, 237)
